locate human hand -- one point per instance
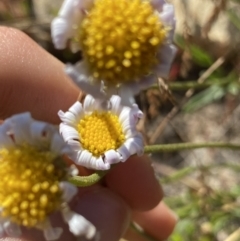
(32, 80)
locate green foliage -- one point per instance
(203, 215)
(234, 16)
(199, 55)
(218, 89)
(178, 175)
(203, 98)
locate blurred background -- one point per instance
(198, 103)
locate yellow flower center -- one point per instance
(100, 132)
(120, 39)
(29, 184)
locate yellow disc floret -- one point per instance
(120, 39)
(29, 184)
(100, 132)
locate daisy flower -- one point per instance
(126, 45)
(33, 182)
(100, 133)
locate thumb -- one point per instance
(31, 79)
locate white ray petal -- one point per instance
(167, 15)
(116, 107)
(68, 132)
(85, 4)
(157, 4)
(1, 231)
(127, 91)
(112, 157)
(51, 233)
(69, 191)
(60, 32)
(68, 118)
(124, 115)
(75, 145)
(73, 171)
(99, 164)
(78, 225)
(84, 158)
(124, 152)
(20, 127)
(137, 113)
(12, 229)
(41, 133)
(90, 104)
(62, 25)
(77, 110)
(5, 139)
(83, 82)
(128, 119)
(129, 130)
(166, 57)
(135, 145)
(167, 51)
(147, 81)
(58, 145)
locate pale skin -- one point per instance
(33, 80)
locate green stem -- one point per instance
(189, 146)
(85, 181)
(185, 85)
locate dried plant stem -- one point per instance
(188, 94)
(235, 236)
(192, 84)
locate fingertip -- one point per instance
(158, 222)
(106, 211)
(135, 181)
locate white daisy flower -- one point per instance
(33, 181)
(125, 44)
(100, 136)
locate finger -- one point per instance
(133, 235)
(109, 213)
(158, 223)
(31, 79)
(135, 181)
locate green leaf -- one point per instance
(178, 175)
(235, 213)
(233, 88)
(203, 98)
(180, 41)
(186, 227)
(220, 224)
(200, 56)
(177, 237)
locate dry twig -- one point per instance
(188, 94)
